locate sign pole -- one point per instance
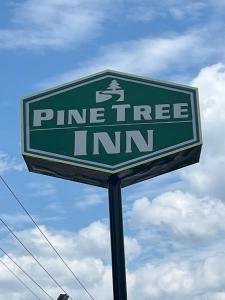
(117, 239)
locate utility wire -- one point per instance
(30, 253)
(20, 280)
(46, 238)
(34, 281)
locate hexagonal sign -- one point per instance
(108, 123)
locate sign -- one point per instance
(111, 123)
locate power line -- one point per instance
(46, 238)
(34, 281)
(30, 253)
(20, 280)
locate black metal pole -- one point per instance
(117, 239)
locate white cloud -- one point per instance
(58, 208)
(181, 214)
(92, 241)
(90, 271)
(175, 281)
(144, 56)
(8, 163)
(141, 13)
(218, 3)
(189, 10)
(207, 178)
(189, 225)
(162, 282)
(15, 219)
(54, 24)
(97, 234)
(172, 9)
(41, 189)
(86, 251)
(89, 197)
(62, 23)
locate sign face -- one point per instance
(110, 123)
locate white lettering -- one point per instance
(142, 111)
(73, 114)
(180, 110)
(60, 117)
(80, 143)
(107, 143)
(121, 112)
(42, 115)
(138, 139)
(162, 111)
(97, 115)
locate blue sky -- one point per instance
(174, 224)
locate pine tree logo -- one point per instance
(113, 89)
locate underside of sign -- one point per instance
(111, 123)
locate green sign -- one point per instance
(110, 123)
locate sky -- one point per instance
(174, 224)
